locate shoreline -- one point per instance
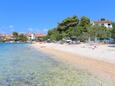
(92, 65)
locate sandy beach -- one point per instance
(100, 60)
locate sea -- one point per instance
(23, 65)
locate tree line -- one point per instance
(80, 29)
(15, 37)
(19, 37)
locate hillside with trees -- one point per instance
(80, 29)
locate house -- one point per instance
(31, 36)
(6, 37)
(40, 35)
(34, 36)
(105, 23)
(1, 36)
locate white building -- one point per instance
(2, 36)
(30, 36)
(33, 36)
(105, 23)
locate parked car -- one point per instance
(69, 41)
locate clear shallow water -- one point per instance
(21, 65)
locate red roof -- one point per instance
(36, 34)
(102, 22)
(40, 35)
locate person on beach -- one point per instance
(94, 46)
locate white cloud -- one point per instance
(11, 26)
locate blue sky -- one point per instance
(41, 15)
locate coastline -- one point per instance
(61, 52)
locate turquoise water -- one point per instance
(21, 65)
(19, 62)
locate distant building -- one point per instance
(6, 37)
(30, 36)
(33, 36)
(1, 36)
(39, 35)
(105, 23)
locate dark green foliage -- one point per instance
(85, 23)
(19, 37)
(113, 31)
(54, 34)
(80, 29)
(99, 31)
(15, 34)
(68, 22)
(103, 19)
(22, 38)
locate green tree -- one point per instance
(15, 34)
(93, 32)
(85, 23)
(103, 32)
(80, 29)
(103, 19)
(84, 26)
(23, 38)
(54, 34)
(97, 31)
(69, 28)
(68, 22)
(113, 31)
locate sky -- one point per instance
(41, 15)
